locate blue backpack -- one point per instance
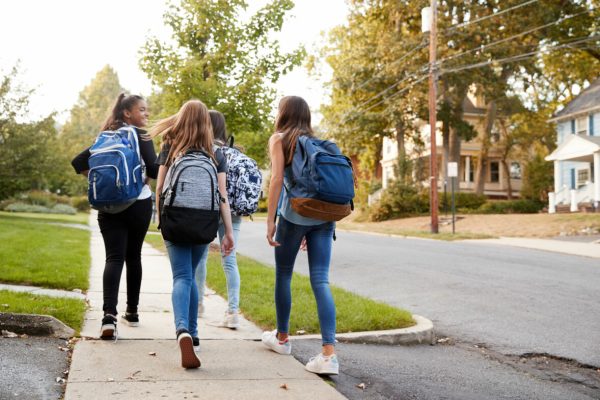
(322, 184)
(115, 176)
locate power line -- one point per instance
(481, 48)
(467, 23)
(421, 79)
(479, 65)
(421, 45)
(522, 56)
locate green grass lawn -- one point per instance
(79, 218)
(354, 313)
(69, 311)
(35, 251)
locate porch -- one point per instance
(576, 175)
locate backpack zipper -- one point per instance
(111, 149)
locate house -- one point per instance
(577, 157)
(496, 180)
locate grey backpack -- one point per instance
(190, 200)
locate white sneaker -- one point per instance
(201, 310)
(232, 320)
(270, 340)
(320, 364)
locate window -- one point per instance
(494, 171)
(515, 170)
(582, 125)
(583, 176)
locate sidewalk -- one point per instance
(145, 361)
(557, 246)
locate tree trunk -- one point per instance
(482, 161)
(507, 178)
(378, 155)
(402, 169)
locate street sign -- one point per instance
(453, 169)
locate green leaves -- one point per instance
(225, 58)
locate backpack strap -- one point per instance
(231, 140)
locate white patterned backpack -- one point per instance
(244, 181)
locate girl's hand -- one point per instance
(227, 244)
(271, 234)
(303, 244)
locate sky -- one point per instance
(60, 45)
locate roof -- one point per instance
(587, 100)
(470, 108)
(576, 148)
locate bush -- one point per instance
(42, 198)
(398, 201)
(511, 207)
(81, 203)
(63, 209)
(23, 207)
(463, 200)
(262, 205)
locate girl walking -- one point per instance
(124, 232)
(188, 131)
(229, 262)
(293, 121)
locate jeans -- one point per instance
(123, 235)
(230, 267)
(184, 261)
(319, 239)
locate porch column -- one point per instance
(597, 178)
(557, 176)
(467, 168)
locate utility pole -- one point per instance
(433, 179)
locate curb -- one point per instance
(35, 325)
(421, 333)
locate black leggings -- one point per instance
(124, 235)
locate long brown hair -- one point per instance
(218, 125)
(293, 120)
(189, 129)
(116, 119)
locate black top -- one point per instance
(219, 156)
(80, 162)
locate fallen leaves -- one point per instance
(9, 334)
(361, 386)
(152, 353)
(284, 386)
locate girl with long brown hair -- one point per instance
(293, 121)
(124, 232)
(190, 130)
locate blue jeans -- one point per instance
(230, 266)
(319, 239)
(184, 261)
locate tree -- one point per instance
(85, 122)
(28, 156)
(379, 55)
(228, 64)
(91, 110)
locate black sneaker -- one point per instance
(189, 359)
(196, 342)
(108, 331)
(131, 319)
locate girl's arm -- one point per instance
(160, 180)
(227, 243)
(275, 184)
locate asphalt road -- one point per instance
(460, 372)
(30, 366)
(512, 301)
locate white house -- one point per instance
(577, 157)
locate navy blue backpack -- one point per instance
(322, 184)
(115, 176)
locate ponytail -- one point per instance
(116, 118)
